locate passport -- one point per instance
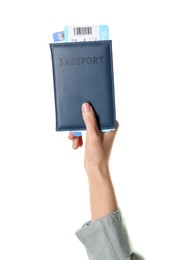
(83, 72)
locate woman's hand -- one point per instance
(98, 145)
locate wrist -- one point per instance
(98, 173)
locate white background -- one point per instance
(43, 186)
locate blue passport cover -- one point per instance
(83, 72)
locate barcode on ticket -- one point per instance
(82, 30)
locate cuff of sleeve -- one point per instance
(106, 238)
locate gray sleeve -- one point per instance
(106, 238)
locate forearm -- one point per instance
(102, 194)
(106, 236)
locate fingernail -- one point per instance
(86, 107)
(75, 142)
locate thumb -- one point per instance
(89, 117)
